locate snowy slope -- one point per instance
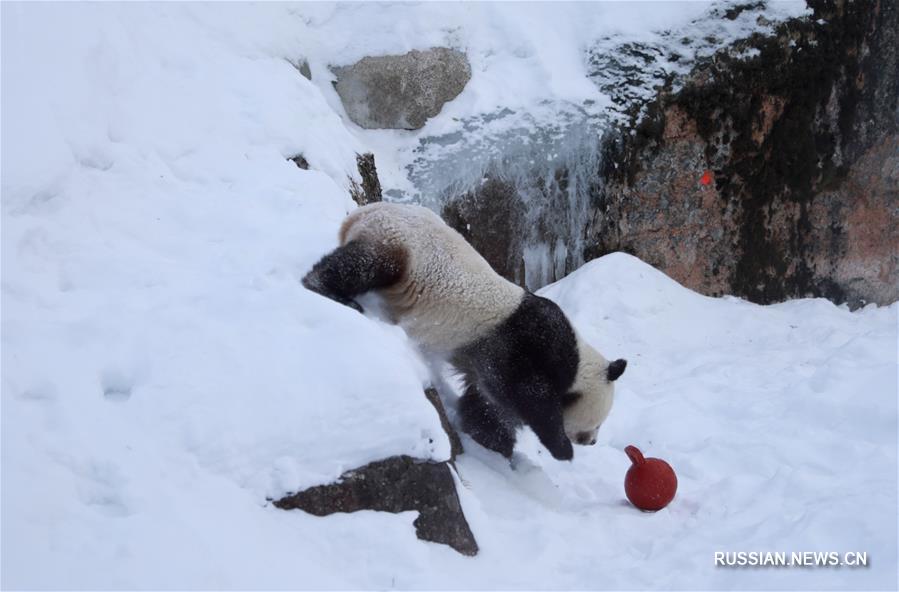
(158, 351)
(163, 372)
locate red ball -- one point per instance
(650, 483)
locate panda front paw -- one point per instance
(563, 450)
(556, 442)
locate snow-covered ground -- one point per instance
(163, 372)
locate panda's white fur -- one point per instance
(447, 297)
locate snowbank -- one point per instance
(781, 422)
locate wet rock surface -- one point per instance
(798, 132)
(491, 218)
(401, 91)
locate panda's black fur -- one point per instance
(520, 357)
(521, 369)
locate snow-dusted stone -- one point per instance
(401, 91)
(302, 67)
(370, 189)
(300, 161)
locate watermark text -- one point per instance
(791, 559)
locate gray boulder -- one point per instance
(401, 91)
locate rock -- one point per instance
(300, 161)
(401, 91)
(491, 218)
(370, 191)
(399, 484)
(801, 139)
(455, 442)
(302, 67)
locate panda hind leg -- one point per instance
(483, 421)
(354, 269)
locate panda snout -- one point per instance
(585, 439)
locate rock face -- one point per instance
(399, 484)
(401, 91)
(801, 140)
(488, 217)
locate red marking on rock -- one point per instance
(706, 178)
(650, 483)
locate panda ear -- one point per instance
(616, 369)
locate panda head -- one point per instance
(587, 404)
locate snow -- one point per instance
(158, 350)
(164, 373)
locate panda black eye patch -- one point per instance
(585, 439)
(569, 399)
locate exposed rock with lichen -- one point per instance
(800, 131)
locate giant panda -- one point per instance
(521, 359)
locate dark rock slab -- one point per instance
(397, 484)
(400, 484)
